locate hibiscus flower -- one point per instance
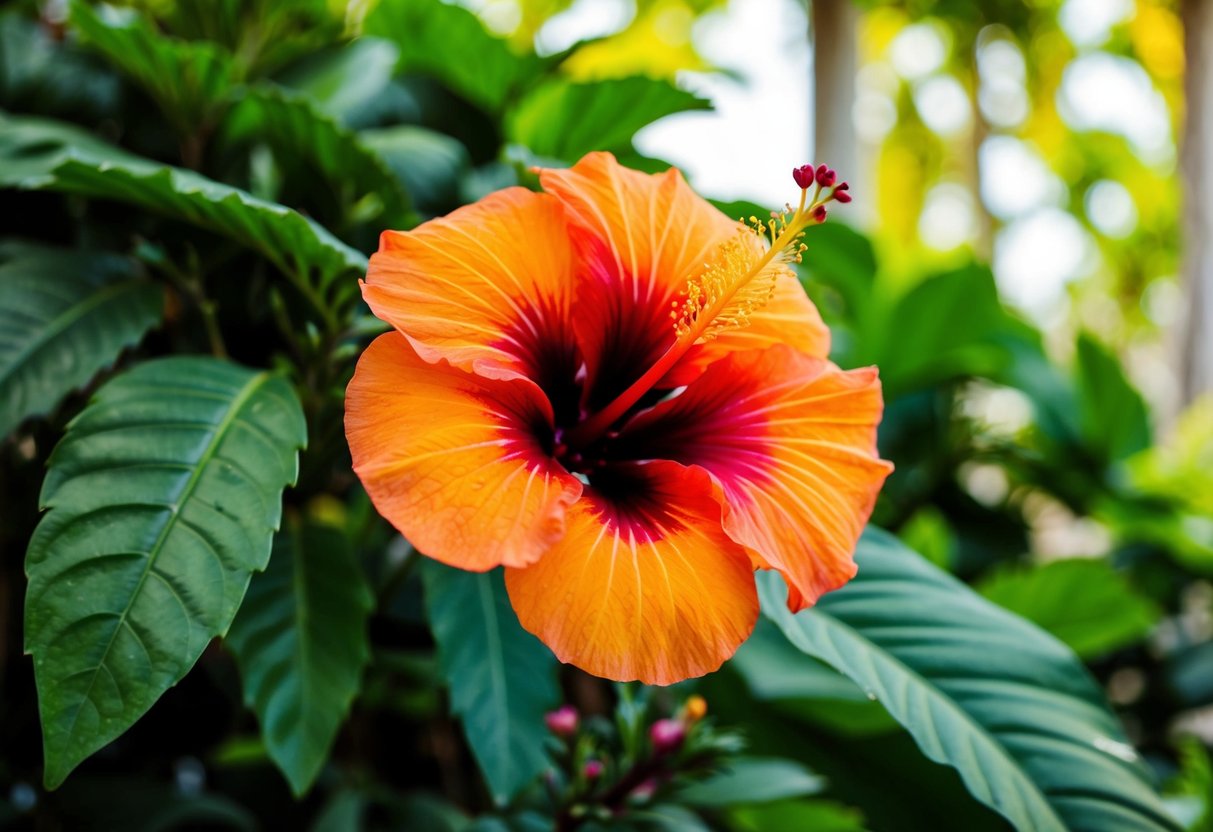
(624, 398)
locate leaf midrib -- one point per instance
(59, 323)
(935, 693)
(250, 387)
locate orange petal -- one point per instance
(488, 287)
(640, 238)
(790, 441)
(452, 459)
(644, 585)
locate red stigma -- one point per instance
(803, 176)
(825, 177)
(819, 213)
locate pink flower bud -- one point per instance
(803, 176)
(593, 770)
(819, 213)
(825, 176)
(667, 735)
(563, 721)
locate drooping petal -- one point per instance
(455, 461)
(488, 288)
(645, 585)
(790, 441)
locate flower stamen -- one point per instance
(737, 282)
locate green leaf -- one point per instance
(817, 815)
(502, 679)
(752, 780)
(565, 120)
(313, 141)
(1112, 414)
(64, 316)
(1084, 602)
(39, 154)
(189, 80)
(300, 641)
(983, 691)
(430, 165)
(163, 497)
(450, 44)
(346, 81)
(913, 349)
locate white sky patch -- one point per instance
(918, 50)
(948, 219)
(1105, 92)
(760, 129)
(1090, 22)
(943, 105)
(1015, 179)
(583, 20)
(1037, 255)
(1111, 208)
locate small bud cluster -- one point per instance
(823, 177)
(606, 769)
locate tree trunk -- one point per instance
(834, 35)
(1196, 359)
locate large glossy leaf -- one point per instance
(986, 692)
(565, 120)
(302, 134)
(189, 80)
(1084, 602)
(501, 678)
(64, 315)
(50, 155)
(450, 44)
(163, 498)
(301, 643)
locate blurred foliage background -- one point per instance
(1011, 264)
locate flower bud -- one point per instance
(694, 709)
(563, 721)
(803, 176)
(825, 177)
(667, 735)
(593, 770)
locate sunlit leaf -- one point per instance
(565, 120)
(1113, 415)
(450, 44)
(1084, 602)
(64, 315)
(300, 641)
(502, 680)
(163, 498)
(983, 691)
